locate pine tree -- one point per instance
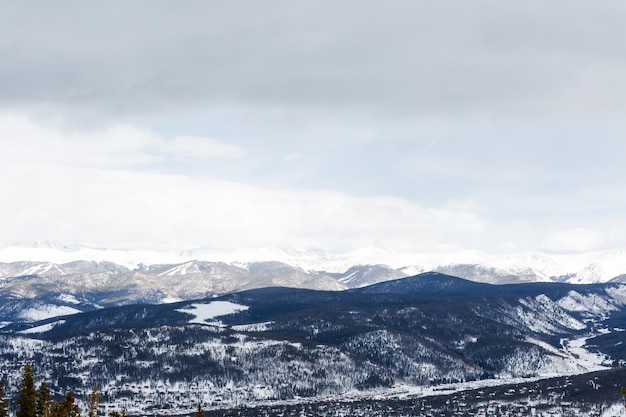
(200, 412)
(70, 407)
(27, 396)
(93, 402)
(66, 407)
(44, 401)
(4, 410)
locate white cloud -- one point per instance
(90, 187)
(293, 157)
(573, 240)
(24, 141)
(132, 208)
(199, 148)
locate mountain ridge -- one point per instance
(588, 267)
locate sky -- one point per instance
(414, 125)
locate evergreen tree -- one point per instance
(70, 405)
(200, 412)
(27, 396)
(93, 402)
(66, 407)
(4, 410)
(44, 401)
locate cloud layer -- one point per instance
(61, 188)
(515, 60)
(487, 125)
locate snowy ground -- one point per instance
(43, 328)
(204, 312)
(588, 360)
(48, 311)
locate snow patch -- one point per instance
(543, 315)
(618, 293)
(591, 303)
(68, 298)
(614, 410)
(170, 299)
(43, 328)
(253, 327)
(47, 311)
(589, 360)
(204, 312)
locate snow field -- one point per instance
(204, 312)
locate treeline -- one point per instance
(33, 402)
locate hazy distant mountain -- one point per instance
(87, 285)
(174, 275)
(362, 275)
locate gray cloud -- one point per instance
(401, 56)
(516, 106)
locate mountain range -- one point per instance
(162, 331)
(107, 277)
(418, 335)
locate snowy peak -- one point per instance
(351, 269)
(607, 266)
(27, 268)
(363, 275)
(103, 283)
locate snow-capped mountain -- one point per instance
(29, 286)
(606, 266)
(208, 270)
(362, 275)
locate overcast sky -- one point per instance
(489, 125)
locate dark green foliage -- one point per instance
(200, 411)
(66, 407)
(27, 396)
(4, 410)
(374, 380)
(116, 413)
(93, 402)
(44, 400)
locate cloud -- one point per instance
(501, 117)
(92, 187)
(130, 208)
(199, 148)
(517, 60)
(573, 240)
(24, 141)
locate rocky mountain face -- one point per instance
(36, 290)
(280, 344)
